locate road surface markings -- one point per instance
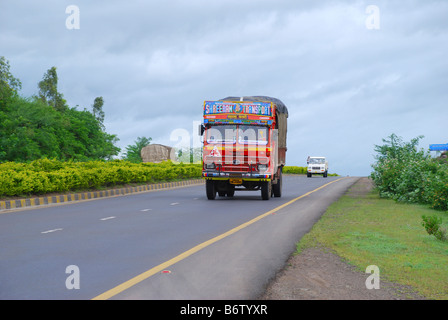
(144, 210)
(107, 218)
(161, 267)
(53, 230)
(174, 203)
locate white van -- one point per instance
(317, 165)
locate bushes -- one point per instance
(300, 170)
(294, 170)
(45, 176)
(406, 174)
(432, 226)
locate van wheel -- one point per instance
(210, 189)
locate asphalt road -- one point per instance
(167, 244)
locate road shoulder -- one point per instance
(319, 274)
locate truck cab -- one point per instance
(317, 165)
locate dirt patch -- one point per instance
(319, 274)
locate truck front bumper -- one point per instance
(231, 175)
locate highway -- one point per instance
(165, 244)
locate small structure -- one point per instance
(438, 147)
(157, 153)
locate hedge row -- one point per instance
(294, 170)
(45, 176)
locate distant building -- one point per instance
(157, 153)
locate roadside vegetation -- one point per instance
(44, 176)
(398, 225)
(45, 126)
(47, 176)
(404, 173)
(300, 170)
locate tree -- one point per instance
(9, 85)
(98, 110)
(31, 129)
(48, 90)
(133, 152)
(395, 148)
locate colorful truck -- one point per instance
(244, 146)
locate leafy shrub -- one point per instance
(294, 170)
(404, 173)
(432, 226)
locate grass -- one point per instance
(365, 229)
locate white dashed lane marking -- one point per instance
(52, 230)
(107, 218)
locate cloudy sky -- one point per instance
(350, 72)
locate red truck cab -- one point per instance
(244, 146)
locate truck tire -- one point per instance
(325, 174)
(266, 190)
(309, 175)
(210, 189)
(278, 186)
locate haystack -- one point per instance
(157, 153)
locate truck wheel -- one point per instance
(325, 174)
(210, 189)
(309, 175)
(278, 187)
(266, 190)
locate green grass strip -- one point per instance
(364, 229)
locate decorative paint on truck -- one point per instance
(244, 145)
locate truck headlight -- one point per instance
(210, 166)
(262, 167)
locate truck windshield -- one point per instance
(317, 161)
(252, 135)
(222, 134)
(230, 133)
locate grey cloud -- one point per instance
(156, 62)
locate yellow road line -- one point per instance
(145, 275)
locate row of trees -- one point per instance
(45, 126)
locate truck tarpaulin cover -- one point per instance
(282, 113)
